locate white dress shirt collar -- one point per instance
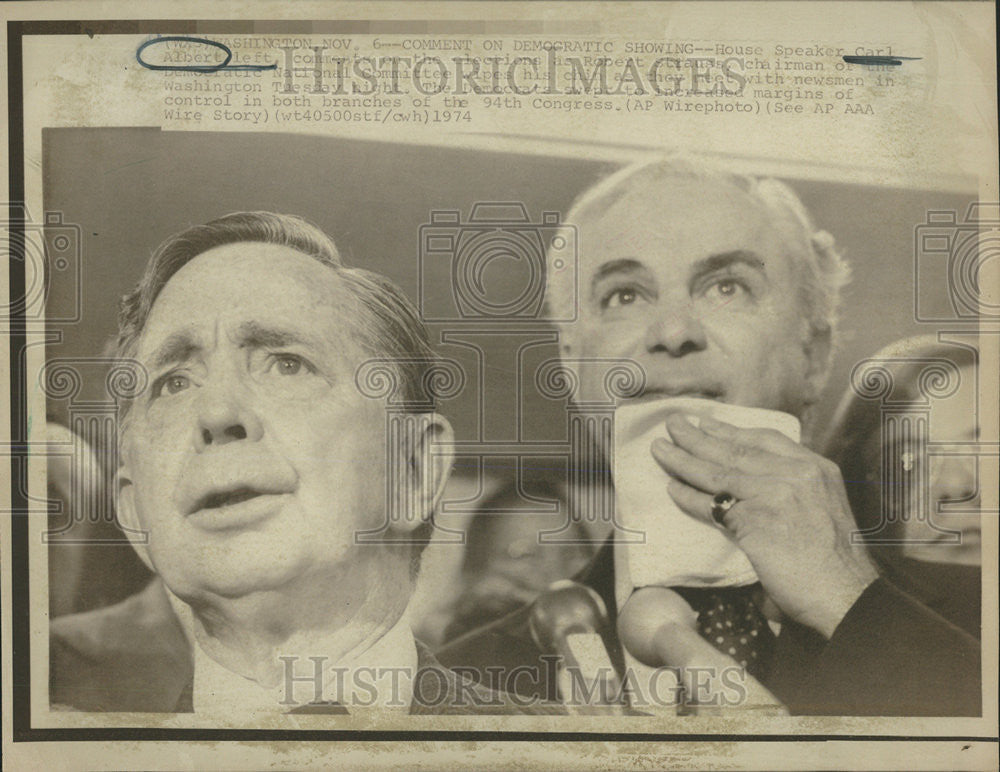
(379, 678)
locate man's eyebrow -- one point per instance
(725, 260)
(257, 335)
(709, 264)
(178, 347)
(622, 265)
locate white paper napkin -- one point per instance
(679, 550)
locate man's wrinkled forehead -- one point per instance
(667, 209)
(255, 294)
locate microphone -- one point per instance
(659, 628)
(570, 620)
(652, 625)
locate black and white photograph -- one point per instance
(601, 385)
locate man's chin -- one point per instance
(223, 583)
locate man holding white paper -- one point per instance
(720, 288)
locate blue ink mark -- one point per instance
(198, 67)
(880, 61)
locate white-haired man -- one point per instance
(256, 469)
(720, 288)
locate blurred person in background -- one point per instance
(91, 563)
(508, 561)
(927, 541)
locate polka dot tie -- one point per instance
(730, 619)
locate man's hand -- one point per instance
(791, 516)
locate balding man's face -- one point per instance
(252, 458)
(694, 282)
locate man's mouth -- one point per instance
(694, 392)
(219, 499)
(236, 509)
(234, 486)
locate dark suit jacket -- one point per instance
(889, 656)
(134, 657)
(953, 591)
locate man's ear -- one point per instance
(566, 347)
(817, 347)
(128, 516)
(426, 453)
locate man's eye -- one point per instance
(288, 364)
(726, 289)
(624, 296)
(173, 384)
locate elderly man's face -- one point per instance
(695, 283)
(252, 458)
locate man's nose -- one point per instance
(956, 478)
(223, 417)
(676, 332)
